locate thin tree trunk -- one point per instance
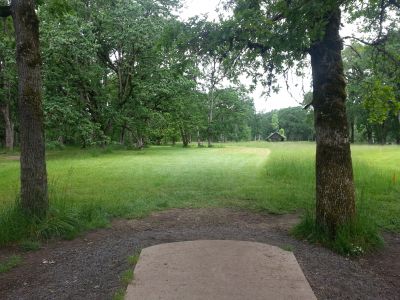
(210, 117)
(369, 135)
(383, 137)
(198, 138)
(335, 193)
(185, 138)
(209, 133)
(34, 198)
(9, 130)
(139, 141)
(122, 137)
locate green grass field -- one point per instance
(98, 185)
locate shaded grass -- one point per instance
(10, 263)
(89, 188)
(29, 245)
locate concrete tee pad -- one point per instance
(218, 270)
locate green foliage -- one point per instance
(10, 263)
(275, 122)
(374, 103)
(55, 145)
(379, 101)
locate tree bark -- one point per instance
(211, 100)
(335, 193)
(185, 138)
(198, 138)
(369, 135)
(122, 137)
(9, 127)
(210, 120)
(139, 142)
(34, 197)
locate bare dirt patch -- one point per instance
(89, 267)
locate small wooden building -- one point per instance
(276, 137)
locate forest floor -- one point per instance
(90, 266)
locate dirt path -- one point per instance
(89, 267)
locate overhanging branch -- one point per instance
(379, 46)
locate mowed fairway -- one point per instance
(277, 178)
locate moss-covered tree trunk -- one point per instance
(334, 172)
(34, 199)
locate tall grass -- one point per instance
(353, 239)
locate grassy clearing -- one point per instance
(88, 188)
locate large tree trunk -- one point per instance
(34, 198)
(335, 193)
(9, 127)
